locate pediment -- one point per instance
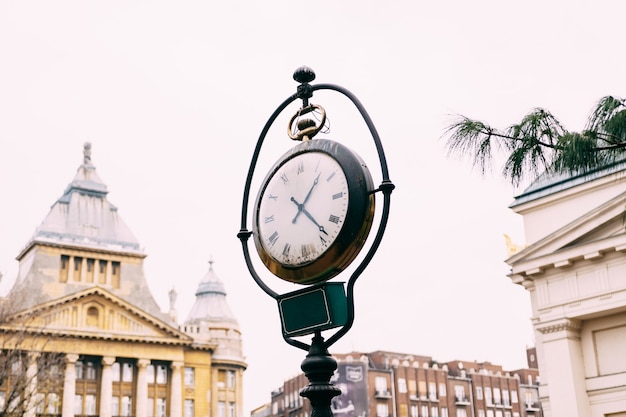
(98, 314)
(597, 232)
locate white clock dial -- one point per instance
(303, 208)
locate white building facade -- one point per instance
(574, 268)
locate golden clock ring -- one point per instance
(306, 131)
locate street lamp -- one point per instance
(311, 218)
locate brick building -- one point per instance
(390, 384)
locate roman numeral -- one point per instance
(273, 238)
(323, 240)
(333, 219)
(300, 168)
(338, 195)
(269, 219)
(331, 176)
(307, 250)
(284, 177)
(272, 197)
(286, 249)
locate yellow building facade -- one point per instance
(81, 295)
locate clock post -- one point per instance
(311, 218)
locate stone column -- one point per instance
(31, 387)
(563, 360)
(106, 386)
(69, 385)
(142, 388)
(176, 406)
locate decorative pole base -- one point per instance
(319, 366)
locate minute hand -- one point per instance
(301, 206)
(321, 228)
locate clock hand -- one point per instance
(321, 228)
(301, 209)
(301, 206)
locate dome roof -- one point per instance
(210, 304)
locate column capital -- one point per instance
(143, 363)
(108, 360)
(71, 357)
(177, 364)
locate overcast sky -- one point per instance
(173, 97)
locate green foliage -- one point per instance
(539, 142)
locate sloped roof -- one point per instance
(552, 182)
(84, 217)
(210, 304)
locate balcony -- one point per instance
(382, 394)
(461, 400)
(533, 407)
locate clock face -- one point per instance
(303, 208)
(313, 212)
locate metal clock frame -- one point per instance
(305, 90)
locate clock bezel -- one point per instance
(354, 231)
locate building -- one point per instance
(389, 384)
(574, 268)
(81, 295)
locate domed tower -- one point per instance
(211, 322)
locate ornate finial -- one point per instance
(87, 153)
(304, 75)
(211, 263)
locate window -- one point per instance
(161, 374)
(53, 403)
(381, 384)
(102, 272)
(479, 393)
(230, 379)
(402, 385)
(115, 406)
(189, 377)
(442, 390)
(92, 316)
(496, 396)
(461, 412)
(80, 374)
(481, 413)
(424, 411)
(161, 407)
(78, 404)
(444, 411)
(414, 410)
(90, 405)
(65, 262)
(489, 413)
(434, 411)
(459, 392)
(127, 372)
(189, 409)
(115, 370)
(382, 410)
(432, 391)
(115, 274)
(488, 398)
(91, 369)
(505, 398)
(90, 269)
(514, 397)
(231, 409)
(150, 373)
(127, 406)
(221, 409)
